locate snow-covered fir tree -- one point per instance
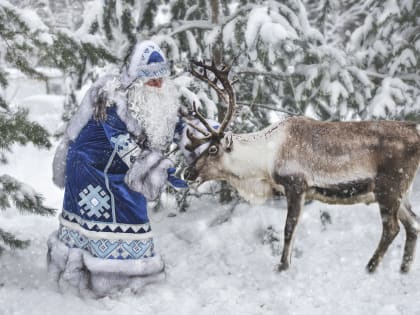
(25, 43)
(295, 57)
(298, 56)
(18, 41)
(329, 59)
(387, 45)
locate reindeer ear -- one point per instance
(227, 141)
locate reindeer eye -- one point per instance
(213, 150)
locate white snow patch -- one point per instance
(390, 7)
(388, 96)
(273, 33)
(218, 268)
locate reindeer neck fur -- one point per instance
(251, 161)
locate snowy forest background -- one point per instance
(326, 59)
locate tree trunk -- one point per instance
(217, 49)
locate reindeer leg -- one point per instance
(409, 221)
(389, 204)
(295, 187)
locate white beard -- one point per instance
(156, 110)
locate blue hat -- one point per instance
(147, 61)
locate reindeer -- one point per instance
(305, 159)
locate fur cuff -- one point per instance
(127, 267)
(77, 270)
(59, 163)
(148, 174)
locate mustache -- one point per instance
(156, 110)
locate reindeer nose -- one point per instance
(190, 173)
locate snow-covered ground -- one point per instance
(217, 269)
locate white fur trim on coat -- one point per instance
(148, 174)
(76, 269)
(127, 267)
(59, 163)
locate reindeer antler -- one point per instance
(226, 93)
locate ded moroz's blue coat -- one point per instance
(104, 242)
(96, 197)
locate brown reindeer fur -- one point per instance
(334, 162)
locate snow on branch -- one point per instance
(188, 25)
(22, 196)
(390, 98)
(253, 71)
(10, 240)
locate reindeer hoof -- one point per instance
(282, 267)
(405, 268)
(371, 266)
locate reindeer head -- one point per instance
(209, 163)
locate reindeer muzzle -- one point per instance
(190, 173)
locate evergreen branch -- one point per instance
(3, 80)
(408, 76)
(11, 241)
(157, 29)
(96, 54)
(19, 61)
(19, 40)
(128, 25)
(403, 76)
(23, 197)
(265, 106)
(190, 11)
(3, 104)
(22, 64)
(238, 12)
(187, 25)
(147, 14)
(251, 71)
(3, 159)
(142, 12)
(70, 54)
(376, 74)
(16, 128)
(11, 19)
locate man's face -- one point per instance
(155, 83)
(155, 106)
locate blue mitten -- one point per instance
(175, 181)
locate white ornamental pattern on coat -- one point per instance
(94, 202)
(126, 148)
(105, 248)
(123, 143)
